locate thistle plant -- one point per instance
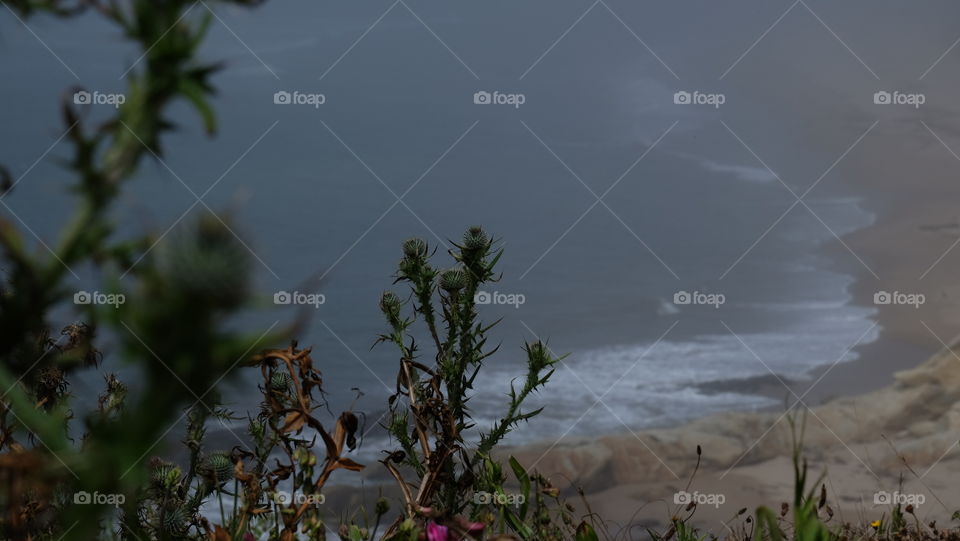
(436, 467)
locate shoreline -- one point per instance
(906, 249)
(886, 440)
(897, 347)
(863, 445)
(895, 395)
(904, 340)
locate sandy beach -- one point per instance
(864, 445)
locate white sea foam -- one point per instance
(633, 387)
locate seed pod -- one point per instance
(414, 248)
(453, 279)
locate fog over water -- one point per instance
(610, 198)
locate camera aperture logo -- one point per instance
(698, 298)
(482, 97)
(498, 498)
(495, 297)
(84, 97)
(896, 498)
(298, 298)
(684, 97)
(884, 97)
(686, 498)
(898, 298)
(86, 498)
(96, 297)
(283, 97)
(282, 497)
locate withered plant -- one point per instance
(275, 485)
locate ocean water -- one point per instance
(609, 198)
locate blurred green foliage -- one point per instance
(172, 324)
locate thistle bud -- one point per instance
(414, 248)
(453, 279)
(390, 304)
(280, 380)
(475, 239)
(538, 357)
(383, 506)
(398, 423)
(159, 474)
(175, 521)
(219, 466)
(211, 266)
